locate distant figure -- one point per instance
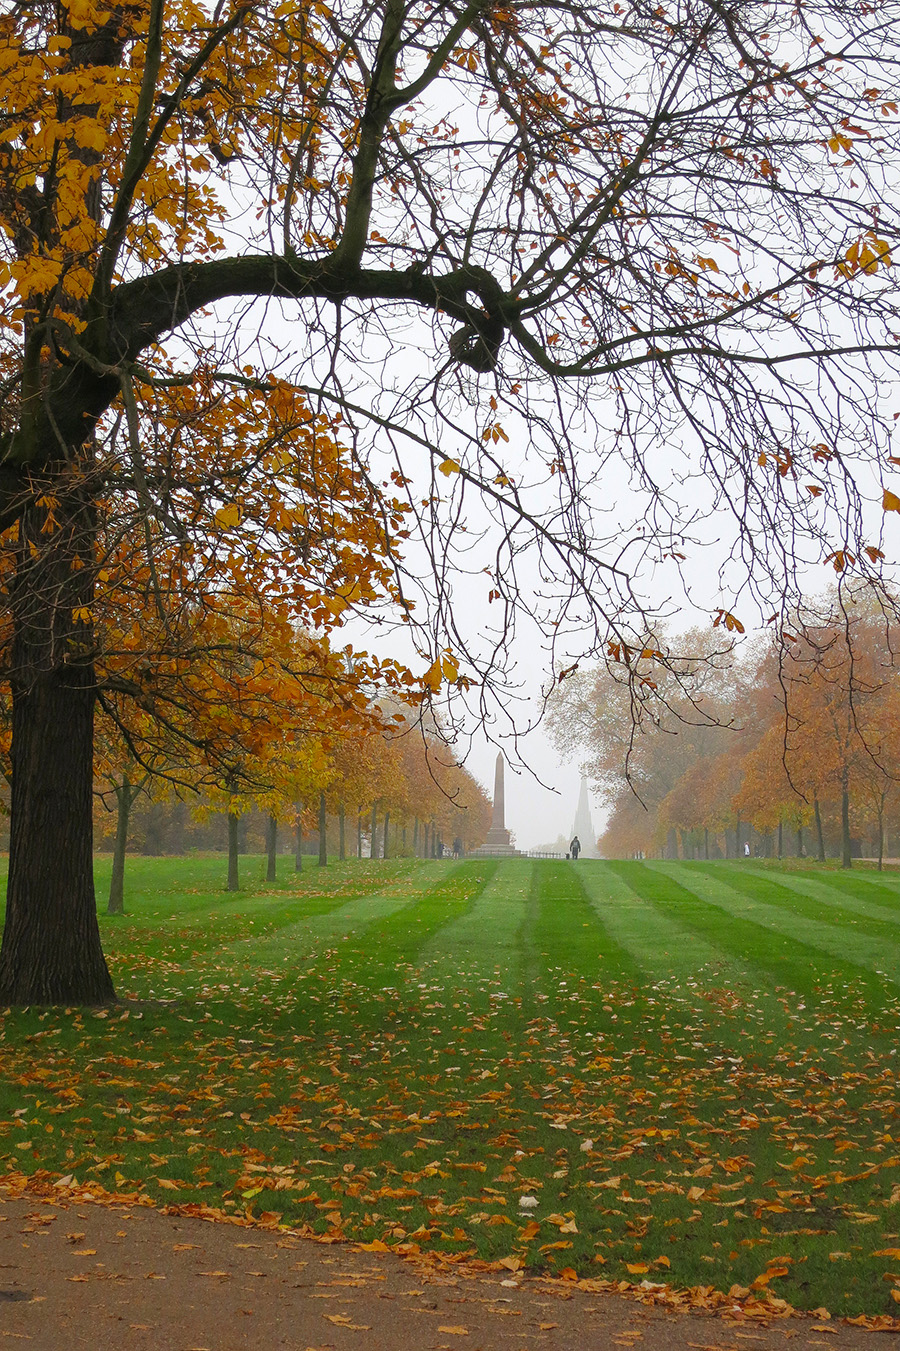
(575, 847)
(457, 847)
(747, 850)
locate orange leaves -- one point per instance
(890, 501)
(730, 621)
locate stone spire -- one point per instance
(583, 826)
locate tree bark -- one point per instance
(780, 838)
(126, 795)
(385, 848)
(819, 833)
(799, 841)
(323, 833)
(415, 847)
(342, 853)
(846, 860)
(233, 824)
(881, 838)
(373, 847)
(359, 832)
(51, 951)
(298, 838)
(271, 847)
(706, 842)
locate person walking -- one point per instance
(575, 847)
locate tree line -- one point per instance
(786, 745)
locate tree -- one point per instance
(678, 213)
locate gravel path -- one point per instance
(113, 1277)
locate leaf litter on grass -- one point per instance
(684, 1136)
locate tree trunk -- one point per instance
(298, 838)
(373, 847)
(233, 823)
(819, 835)
(881, 838)
(738, 853)
(846, 860)
(176, 837)
(51, 951)
(416, 838)
(271, 847)
(359, 832)
(706, 842)
(125, 797)
(342, 833)
(385, 848)
(799, 841)
(323, 833)
(780, 838)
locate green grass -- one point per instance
(691, 1067)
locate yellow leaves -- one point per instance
(444, 667)
(229, 517)
(866, 255)
(342, 1320)
(455, 1329)
(890, 501)
(493, 433)
(83, 615)
(838, 144)
(887, 1252)
(448, 467)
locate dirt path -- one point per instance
(108, 1278)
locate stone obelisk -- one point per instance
(498, 840)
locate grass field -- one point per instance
(691, 1068)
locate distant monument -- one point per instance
(498, 842)
(583, 826)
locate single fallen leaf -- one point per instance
(886, 1252)
(636, 1268)
(74, 1238)
(456, 1331)
(212, 1273)
(76, 1278)
(186, 1247)
(85, 1252)
(341, 1320)
(545, 1327)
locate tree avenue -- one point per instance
(226, 230)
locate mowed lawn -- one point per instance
(687, 1072)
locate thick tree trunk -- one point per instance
(385, 849)
(359, 832)
(846, 860)
(51, 951)
(373, 847)
(271, 847)
(881, 839)
(233, 824)
(799, 841)
(126, 794)
(820, 837)
(416, 838)
(342, 840)
(323, 833)
(298, 838)
(706, 842)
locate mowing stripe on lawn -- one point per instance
(881, 889)
(657, 941)
(566, 932)
(399, 936)
(486, 936)
(786, 933)
(845, 906)
(749, 941)
(303, 938)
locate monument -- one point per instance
(498, 842)
(584, 826)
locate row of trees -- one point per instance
(790, 744)
(379, 788)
